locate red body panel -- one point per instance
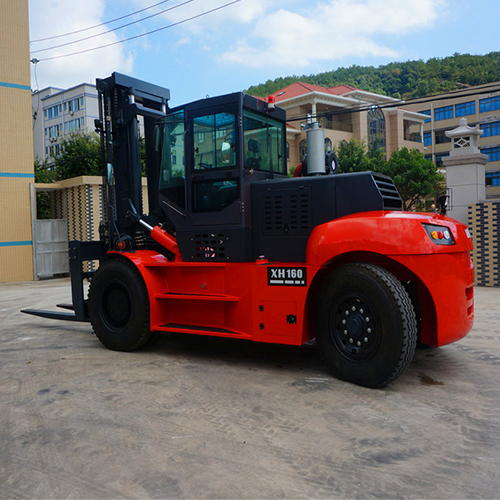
(237, 300)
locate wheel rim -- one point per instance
(355, 327)
(116, 306)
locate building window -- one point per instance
(428, 157)
(443, 113)
(376, 127)
(427, 139)
(493, 153)
(74, 105)
(440, 137)
(302, 149)
(493, 178)
(489, 104)
(426, 112)
(328, 144)
(439, 158)
(51, 113)
(465, 109)
(492, 128)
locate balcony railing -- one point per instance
(413, 137)
(333, 125)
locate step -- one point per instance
(198, 296)
(200, 330)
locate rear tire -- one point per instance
(366, 325)
(119, 306)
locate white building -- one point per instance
(58, 112)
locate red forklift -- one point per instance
(232, 247)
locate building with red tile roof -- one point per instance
(347, 112)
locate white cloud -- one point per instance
(53, 17)
(332, 30)
(244, 11)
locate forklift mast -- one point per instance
(125, 105)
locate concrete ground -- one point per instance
(193, 417)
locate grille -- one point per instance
(287, 212)
(390, 196)
(210, 246)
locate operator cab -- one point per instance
(211, 152)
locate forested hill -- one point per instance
(403, 80)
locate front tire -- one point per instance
(366, 325)
(119, 306)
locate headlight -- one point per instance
(440, 235)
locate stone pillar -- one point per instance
(465, 170)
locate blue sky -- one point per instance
(250, 41)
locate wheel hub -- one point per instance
(116, 306)
(353, 327)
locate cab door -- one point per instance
(214, 175)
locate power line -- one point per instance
(143, 34)
(99, 25)
(114, 29)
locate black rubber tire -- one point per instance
(119, 306)
(372, 306)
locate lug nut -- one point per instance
(366, 339)
(344, 321)
(347, 313)
(361, 311)
(369, 330)
(351, 341)
(358, 343)
(367, 319)
(353, 308)
(345, 332)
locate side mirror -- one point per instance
(442, 203)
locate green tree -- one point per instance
(354, 156)
(415, 177)
(405, 80)
(44, 174)
(80, 155)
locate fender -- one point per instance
(385, 233)
(446, 271)
(147, 262)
